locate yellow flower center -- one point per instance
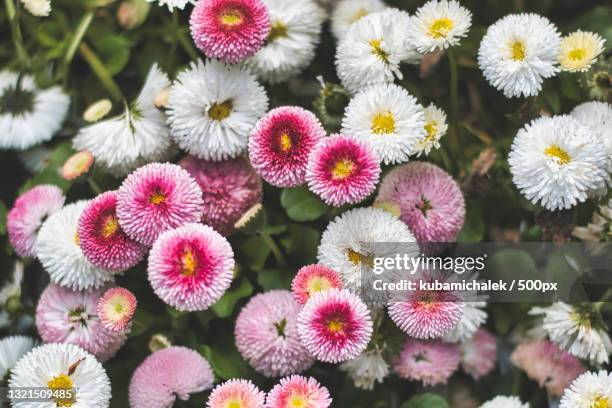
(601, 402)
(557, 153)
(335, 326)
(431, 128)
(318, 284)
(577, 54)
(231, 17)
(518, 51)
(188, 263)
(278, 29)
(342, 169)
(62, 382)
(357, 258)
(383, 123)
(297, 401)
(220, 111)
(233, 404)
(378, 50)
(77, 239)
(110, 226)
(440, 28)
(285, 142)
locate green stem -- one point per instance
(454, 100)
(94, 186)
(278, 254)
(101, 72)
(76, 40)
(13, 18)
(187, 45)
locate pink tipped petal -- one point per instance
(311, 279)
(479, 353)
(116, 309)
(432, 362)
(236, 393)
(298, 391)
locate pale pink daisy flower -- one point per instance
(335, 326)
(116, 309)
(281, 143)
(236, 393)
(101, 238)
(432, 362)
(69, 316)
(479, 354)
(267, 336)
(298, 391)
(27, 215)
(191, 267)
(166, 374)
(156, 198)
(229, 189)
(229, 30)
(312, 279)
(342, 170)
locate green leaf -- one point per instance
(225, 360)
(302, 243)
(3, 214)
(256, 251)
(114, 50)
(426, 401)
(302, 205)
(270, 279)
(225, 306)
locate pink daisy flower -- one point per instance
(116, 309)
(335, 326)
(191, 267)
(342, 170)
(430, 201)
(69, 316)
(298, 391)
(166, 374)
(267, 336)
(236, 393)
(229, 189)
(27, 215)
(281, 143)
(102, 240)
(432, 362)
(479, 353)
(312, 279)
(229, 30)
(156, 198)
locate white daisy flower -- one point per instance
(473, 317)
(504, 402)
(138, 136)
(590, 390)
(11, 350)
(597, 116)
(576, 329)
(388, 118)
(294, 35)
(58, 250)
(435, 128)
(373, 48)
(439, 24)
(38, 8)
(29, 115)
(172, 4)
(580, 50)
(347, 12)
(557, 162)
(60, 367)
(367, 369)
(213, 107)
(518, 52)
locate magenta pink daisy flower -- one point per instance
(432, 362)
(479, 353)
(166, 374)
(191, 267)
(236, 393)
(335, 325)
(229, 30)
(298, 391)
(69, 316)
(430, 201)
(312, 279)
(156, 198)
(229, 189)
(267, 336)
(27, 215)
(342, 170)
(281, 143)
(101, 238)
(116, 309)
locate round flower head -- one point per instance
(229, 189)
(213, 107)
(229, 30)
(62, 367)
(471, 319)
(102, 239)
(39, 8)
(267, 336)
(347, 12)
(172, 4)
(435, 128)
(11, 350)
(68, 316)
(335, 326)
(236, 393)
(191, 267)
(298, 391)
(367, 369)
(156, 198)
(597, 116)
(478, 354)
(518, 52)
(598, 79)
(504, 402)
(590, 390)
(432, 362)
(27, 215)
(557, 162)
(116, 309)
(580, 50)
(430, 201)
(77, 165)
(342, 170)
(439, 24)
(281, 142)
(312, 279)
(59, 251)
(166, 374)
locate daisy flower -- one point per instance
(432, 362)
(335, 326)
(267, 336)
(191, 267)
(504, 402)
(281, 142)
(439, 24)
(479, 354)
(342, 170)
(213, 107)
(590, 390)
(472, 318)
(116, 309)
(29, 212)
(173, 4)
(388, 119)
(12, 348)
(29, 115)
(367, 369)
(312, 279)
(347, 12)
(77, 165)
(298, 391)
(236, 393)
(598, 80)
(597, 116)
(166, 374)
(156, 198)
(62, 367)
(38, 8)
(580, 50)
(518, 52)
(435, 128)
(557, 162)
(97, 110)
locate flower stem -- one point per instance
(278, 254)
(100, 70)
(76, 40)
(13, 18)
(454, 100)
(94, 186)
